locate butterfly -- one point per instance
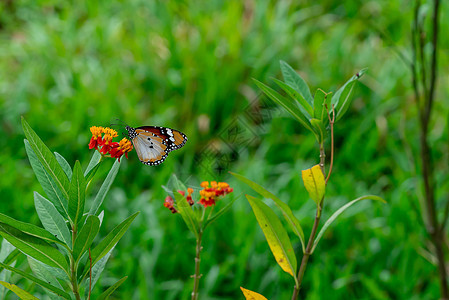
(154, 143)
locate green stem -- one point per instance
(308, 252)
(73, 267)
(197, 275)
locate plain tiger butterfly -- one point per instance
(154, 143)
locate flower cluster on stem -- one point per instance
(102, 142)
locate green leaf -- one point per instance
(276, 236)
(293, 79)
(342, 97)
(41, 271)
(38, 281)
(94, 161)
(11, 257)
(34, 247)
(315, 183)
(339, 212)
(77, 194)
(288, 104)
(109, 241)
(64, 165)
(318, 105)
(320, 131)
(47, 159)
(22, 294)
(308, 110)
(105, 295)
(86, 236)
(285, 209)
(50, 188)
(52, 220)
(30, 229)
(97, 269)
(187, 213)
(104, 188)
(219, 213)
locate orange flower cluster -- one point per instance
(105, 145)
(209, 195)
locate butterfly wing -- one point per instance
(153, 143)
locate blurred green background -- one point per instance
(69, 65)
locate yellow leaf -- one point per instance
(22, 294)
(314, 182)
(250, 295)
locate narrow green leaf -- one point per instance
(220, 212)
(64, 165)
(49, 186)
(285, 209)
(109, 241)
(308, 110)
(86, 236)
(293, 79)
(97, 269)
(288, 104)
(339, 212)
(105, 295)
(94, 161)
(30, 229)
(38, 281)
(319, 112)
(47, 159)
(187, 213)
(39, 269)
(276, 236)
(320, 131)
(77, 194)
(11, 257)
(342, 98)
(104, 188)
(22, 294)
(34, 247)
(52, 220)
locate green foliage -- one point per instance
(44, 259)
(180, 66)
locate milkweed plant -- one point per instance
(197, 215)
(63, 258)
(318, 115)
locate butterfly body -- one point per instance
(154, 143)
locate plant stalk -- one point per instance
(197, 275)
(73, 267)
(308, 252)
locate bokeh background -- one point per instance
(69, 65)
